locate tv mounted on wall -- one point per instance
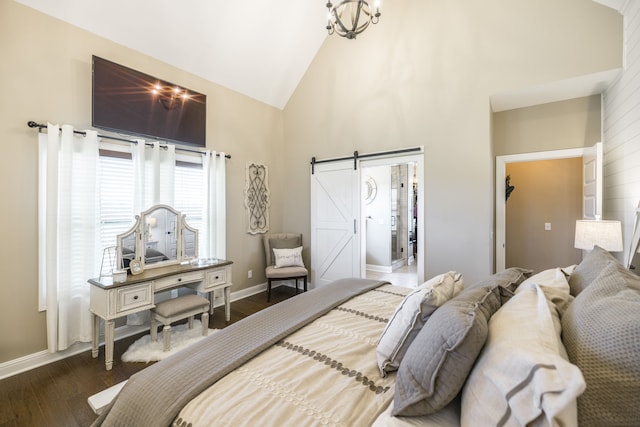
(131, 102)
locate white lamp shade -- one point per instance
(606, 234)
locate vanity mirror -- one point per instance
(159, 237)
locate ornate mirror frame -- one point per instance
(159, 237)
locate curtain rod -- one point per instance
(40, 126)
(357, 156)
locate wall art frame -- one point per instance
(257, 198)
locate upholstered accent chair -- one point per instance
(286, 262)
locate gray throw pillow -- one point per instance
(587, 271)
(601, 332)
(289, 243)
(508, 279)
(441, 356)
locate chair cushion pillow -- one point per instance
(411, 315)
(285, 243)
(601, 331)
(285, 272)
(288, 257)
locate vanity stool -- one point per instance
(172, 310)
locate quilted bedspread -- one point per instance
(323, 374)
(326, 371)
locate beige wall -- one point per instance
(46, 76)
(574, 123)
(548, 191)
(424, 76)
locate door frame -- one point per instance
(391, 159)
(501, 203)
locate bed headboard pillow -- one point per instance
(441, 356)
(508, 279)
(522, 376)
(154, 255)
(554, 283)
(587, 271)
(411, 315)
(601, 331)
(439, 359)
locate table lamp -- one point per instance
(606, 234)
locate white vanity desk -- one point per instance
(160, 251)
(110, 301)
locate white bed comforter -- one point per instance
(323, 374)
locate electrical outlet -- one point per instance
(547, 226)
(249, 274)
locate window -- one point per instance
(115, 195)
(189, 182)
(86, 198)
(115, 188)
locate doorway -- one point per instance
(338, 220)
(390, 210)
(542, 208)
(591, 190)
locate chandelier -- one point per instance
(351, 17)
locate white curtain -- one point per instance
(213, 233)
(69, 214)
(154, 174)
(68, 230)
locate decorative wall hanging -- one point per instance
(508, 187)
(370, 190)
(257, 198)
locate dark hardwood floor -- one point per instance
(56, 394)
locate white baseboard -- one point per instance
(399, 263)
(379, 268)
(41, 358)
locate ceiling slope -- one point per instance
(260, 49)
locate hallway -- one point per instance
(406, 276)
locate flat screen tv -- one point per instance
(131, 102)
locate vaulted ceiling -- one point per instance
(255, 47)
(258, 48)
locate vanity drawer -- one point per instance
(130, 298)
(177, 281)
(216, 278)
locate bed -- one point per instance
(554, 348)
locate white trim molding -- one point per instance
(501, 175)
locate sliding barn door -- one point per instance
(592, 182)
(335, 216)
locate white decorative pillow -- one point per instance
(410, 317)
(522, 376)
(555, 285)
(288, 257)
